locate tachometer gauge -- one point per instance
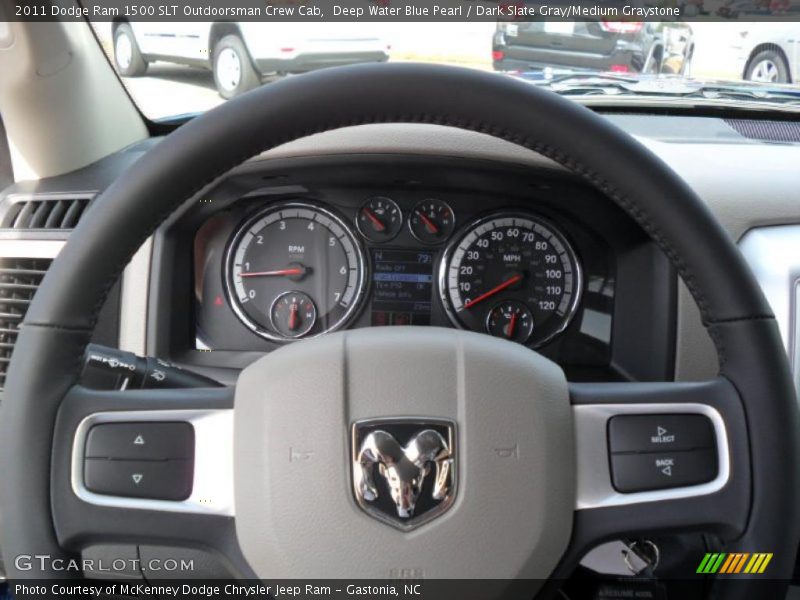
(511, 264)
(294, 270)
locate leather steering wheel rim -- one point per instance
(62, 316)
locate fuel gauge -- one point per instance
(432, 221)
(293, 314)
(379, 219)
(510, 320)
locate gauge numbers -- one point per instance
(511, 260)
(294, 270)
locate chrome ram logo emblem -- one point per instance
(404, 469)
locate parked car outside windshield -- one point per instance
(176, 69)
(242, 55)
(605, 46)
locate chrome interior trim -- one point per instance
(446, 468)
(212, 492)
(591, 441)
(773, 254)
(15, 197)
(22, 248)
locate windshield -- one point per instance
(173, 69)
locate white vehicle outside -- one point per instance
(242, 55)
(763, 52)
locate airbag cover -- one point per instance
(296, 512)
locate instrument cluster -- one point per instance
(296, 249)
(299, 268)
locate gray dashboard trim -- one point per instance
(407, 138)
(774, 255)
(133, 301)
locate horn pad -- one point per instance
(510, 515)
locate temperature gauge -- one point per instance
(510, 320)
(432, 221)
(293, 314)
(379, 219)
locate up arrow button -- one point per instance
(141, 441)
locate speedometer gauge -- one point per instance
(513, 276)
(294, 270)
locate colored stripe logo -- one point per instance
(734, 562)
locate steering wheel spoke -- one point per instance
(147, 465)
(658, 457)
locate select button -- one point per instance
(660, 433)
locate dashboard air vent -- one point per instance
(43, 212)
(19, 279)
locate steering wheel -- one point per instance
(530, 459)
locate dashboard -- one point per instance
(309, 246)
(172, 302)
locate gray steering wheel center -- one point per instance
(468, 438)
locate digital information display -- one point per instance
(402, 287)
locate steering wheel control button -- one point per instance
(640, 472)
(160, 480)
(660, 433)
(141, 441)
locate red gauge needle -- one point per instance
(493, 291)
(512, 324)
(276, 273)
(376, 222)
(293, 316)
(429, 225)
